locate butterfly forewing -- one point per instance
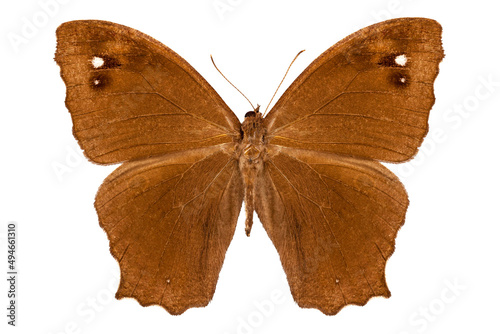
(131, 97)
(367, 96)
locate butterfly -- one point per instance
(310, 168)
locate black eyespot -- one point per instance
(399, 79)
(250, 114)
(99, 81)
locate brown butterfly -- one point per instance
(310, 168)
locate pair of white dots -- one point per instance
(401, 61)
(97, 62)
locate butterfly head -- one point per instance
(250, 114)
(254, 113)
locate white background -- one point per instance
(68, 277)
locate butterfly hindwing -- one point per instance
(169, 221)
(333, 220)
(367, 96)
(131, 97)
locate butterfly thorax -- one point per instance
(251, 159)
(253, 136)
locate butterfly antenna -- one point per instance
(213, 62)
(288, 69)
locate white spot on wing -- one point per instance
(401, 60)
(97, 62)
(97, 82)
